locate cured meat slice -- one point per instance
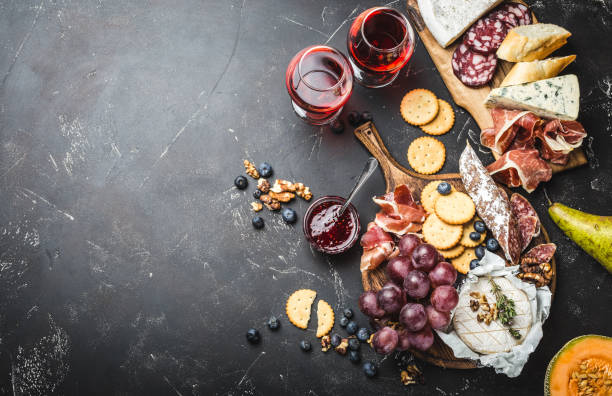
(486, 35)
(521, 168)
(521, 11)
(399, 212)
(512, 129)
(527, 227)
(542, 253)
(522, 208)
(505, 16)
(558, 138)
(492, 205)
(378, 246)
(472, 68)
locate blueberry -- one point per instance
(474, 263)
(351, 327)
(354, 357)
(366, 116)
(474, 236)
(344, 321)
(289, 215)
(369, 369)
(480, 252)
(252, 336)
(337, 127)
(363, 334)
(258, 222)
(492, 244)
(354, 344)
(241, 182)
(354, 118)
(305, 345)
(273, 323)
(265, 170)
(444, 188)
(256, 194)
(335, 340)
(480, 227)
(348, 313)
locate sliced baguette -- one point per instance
(524, 72)
(532, 42)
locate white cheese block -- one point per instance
(494, 337)
(448, 19)
(557, 97)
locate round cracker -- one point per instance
(430, 194)
(452, 252)
(455, 208)
(444, 121)
(419, 107)
(467, 229)
(462, 263)
(426, 155)
(440, 234)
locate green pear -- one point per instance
(591, 232)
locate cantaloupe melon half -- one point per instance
(582, 367)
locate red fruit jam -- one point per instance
(325, 231)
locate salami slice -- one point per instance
(527, 227)
(472, 68)
(521, 11)
(542, 253)
(522, 208)
(507, 17)
(486, 35)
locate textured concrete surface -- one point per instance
(128, 264)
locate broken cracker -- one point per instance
(298, 307)
(440, 234)
(455, 208)
(419, 107)
(325, 318)
(426, 155)
(443, 122)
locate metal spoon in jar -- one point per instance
(369, 168)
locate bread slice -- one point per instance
(524, 72)
(532, 42)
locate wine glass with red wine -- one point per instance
(380, 42)
(319, 81)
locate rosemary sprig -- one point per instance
(505, 308)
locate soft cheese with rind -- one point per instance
(557, 97)
(492, 205)
(494, 337)
(448, 19)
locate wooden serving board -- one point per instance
(472, 99)
(395, 174)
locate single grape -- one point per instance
(385, 340)
(424, 257)
(413, 316)
(416, 284)
(403, 340)
(422, 339)
(408, 243)
(442, 274)
(391, 298)
(368, 304)
(438, 320)
(444, 298)
(398, 268)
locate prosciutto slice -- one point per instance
(521, 168)
(399, 213)
(512, 129)
(378, 246)
(558, 138)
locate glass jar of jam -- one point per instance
(325, 231)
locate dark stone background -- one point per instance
(128, 264)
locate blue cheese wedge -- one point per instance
(557, 97)
(448, 19)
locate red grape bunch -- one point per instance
(418, 272)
